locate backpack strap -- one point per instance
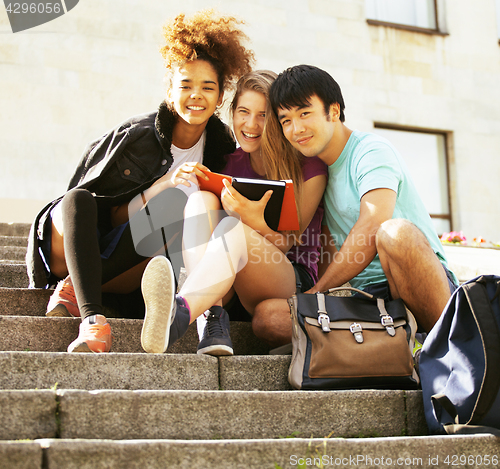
(443, 400)
(481, 309)
(470, 430)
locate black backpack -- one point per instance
(460, 362)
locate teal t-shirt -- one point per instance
(370, 162)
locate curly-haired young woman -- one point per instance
(122, 206)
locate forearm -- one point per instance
(353, 257)
(359, 248)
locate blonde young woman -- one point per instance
(242, 259)
(83, 241)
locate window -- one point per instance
(425, 155)
(420, 14)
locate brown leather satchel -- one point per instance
(351, 342)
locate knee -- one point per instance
(393, 230)
(261, 317)
(267, 314)
(398, 232)
(201, 203)
(203, 199)
(80, 199)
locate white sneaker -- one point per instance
(158, 290)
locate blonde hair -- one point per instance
(281, 160)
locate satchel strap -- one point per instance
(385, 318)
(324, 320)
(357, 290)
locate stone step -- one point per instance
(205, 415)
(87, 371)
(29, 302)
(403, 452)
(14, 253)
(13, 275)
(20, 241)
(15, 229)
(12, 261)
(24, 301)
(43, 334)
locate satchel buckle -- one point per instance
(388, 323)
(357, 332)
(324, 322)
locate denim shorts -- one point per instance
(382, 290)
(237, 312)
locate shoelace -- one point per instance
(96, 331)
(214, 325)
(67, 292)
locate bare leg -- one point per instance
(271, 322)
(201, 215)
(122, 271)
(413, 270)
(238, 255)
(57, 259)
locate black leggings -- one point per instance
(82, 216)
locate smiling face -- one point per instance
(195, 92)
(248, 120)
(308, 128)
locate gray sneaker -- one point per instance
(216, 340)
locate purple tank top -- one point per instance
(307, 254)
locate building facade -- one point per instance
(424, 73)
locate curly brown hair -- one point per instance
(208, 36)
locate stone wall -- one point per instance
(68, 81)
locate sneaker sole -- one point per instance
(216, 350)
(59, 311)
(83, 348)
(158, 290)
(80, 348)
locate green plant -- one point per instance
(313, 454)
(294, 434)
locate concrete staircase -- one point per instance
(128, 409)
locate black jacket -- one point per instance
(123, 163)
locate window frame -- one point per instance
(407, 27)
(447, 135)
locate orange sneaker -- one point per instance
(94, 336)
(63, 303)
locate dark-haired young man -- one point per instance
(384, 241)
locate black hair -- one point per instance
(295, 86)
